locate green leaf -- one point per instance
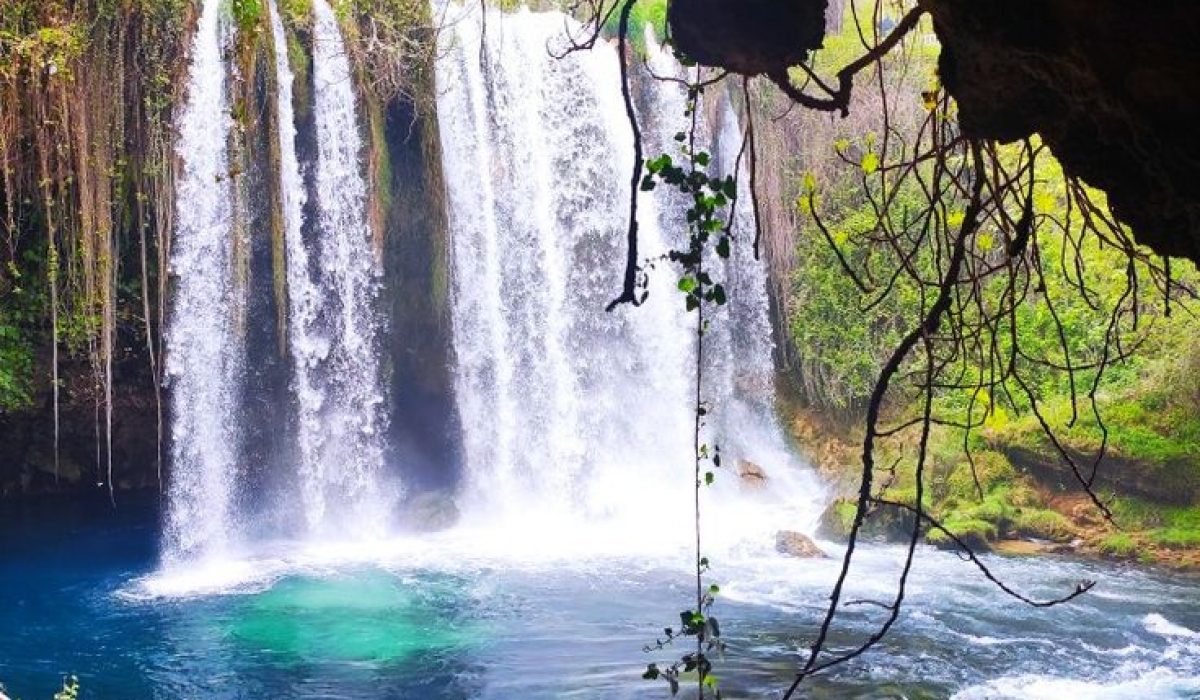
(723, 247)
(709, 477)
(718, 294)
(687, 284)
(651, 672)
(870, 162)
(809, 183)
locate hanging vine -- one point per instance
(97, 192)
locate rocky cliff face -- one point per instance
(1113, 87)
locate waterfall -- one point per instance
(342, 434)
(204, 351)
(332, 275)
(570, 413)
(562, 405)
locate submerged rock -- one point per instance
(797, 544)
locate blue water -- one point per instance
(443, 622)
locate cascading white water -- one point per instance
(562, 404)
(581, 413)
(204, 352)
(306, 343)
(571, 413)
(332, 281)
(339, 383)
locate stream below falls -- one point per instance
(474, 614)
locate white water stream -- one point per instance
(205, 353)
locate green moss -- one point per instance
(992, 469)
(975, 533)
(1176, 537)
(381, 160)
(297, 12)
(995, 508)
(1043, 524)
(1119, 545)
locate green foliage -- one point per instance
(712, 199)
(247, 14)
(646, 14)
(27, 39)
(296, 12)
(1135, 514)
(991, 469)
(16, 367)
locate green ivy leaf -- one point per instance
(718, 295)
(723, 247)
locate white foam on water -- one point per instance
(1162, 626)
(1157, 684)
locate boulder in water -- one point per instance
(751, 475)
(430, 511)
(797, 544)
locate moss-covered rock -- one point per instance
(1043, 524)
(976, 534)
(883, 523)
